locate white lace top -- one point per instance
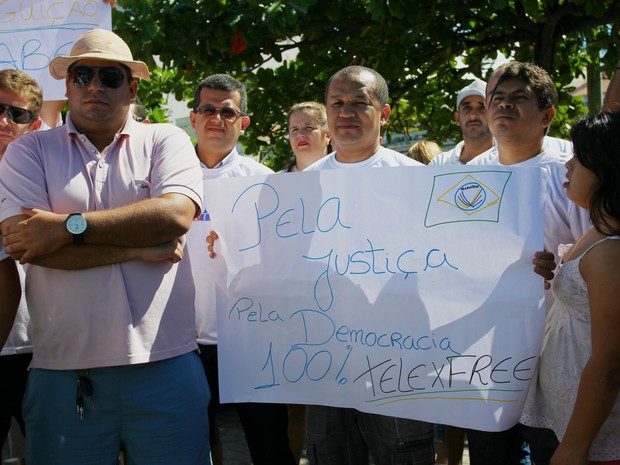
(566, 350)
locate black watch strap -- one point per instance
(76, 225)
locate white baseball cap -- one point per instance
(477, 87)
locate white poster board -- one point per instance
(33, 32)
(401, 291)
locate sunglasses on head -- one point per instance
(109, 76)
(225, 112)
(17, 115)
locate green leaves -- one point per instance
(426, 50)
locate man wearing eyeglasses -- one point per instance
(219, 117)
(104, 200)
(20, 103)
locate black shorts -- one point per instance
(14, 369)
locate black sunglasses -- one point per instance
(109, 76)
(16, 114)
(225, 112)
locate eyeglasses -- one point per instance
(225, 112)
(17, 115)
(109, 76)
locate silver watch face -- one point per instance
(76, 224)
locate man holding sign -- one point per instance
(104, 202)
(356, 101)
(521, 102)
(378, 309)
(219, 117)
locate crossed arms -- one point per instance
(145, 230)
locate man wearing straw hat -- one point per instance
(97, 207)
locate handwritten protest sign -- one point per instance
(401, 291)
(33, 32)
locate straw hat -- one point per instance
(99, 44)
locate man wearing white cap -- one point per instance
(471, 117)
(97, 207)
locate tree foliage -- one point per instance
(286, 50)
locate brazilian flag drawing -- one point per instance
(466, 196)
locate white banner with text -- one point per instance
(402, 291)
(33, 32)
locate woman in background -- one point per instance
(309, 139)
(308, 135)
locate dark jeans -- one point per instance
(543, 443)
(266, 430)
(507, 447)
(345, 436)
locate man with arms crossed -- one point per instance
(104, 201)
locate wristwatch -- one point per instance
(76, 224)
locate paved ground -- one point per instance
(234, 447)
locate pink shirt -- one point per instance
(133, 312)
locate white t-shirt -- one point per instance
(453, 157)
(19, 341)
(206, 272)
(383, 157)
(450, 157)
(565, 222)
(559, 145)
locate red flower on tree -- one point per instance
(238, 44)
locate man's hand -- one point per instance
(34, 234)
(171, 251)
(544, 264)
(211, 241)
